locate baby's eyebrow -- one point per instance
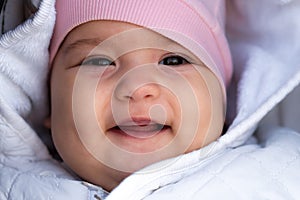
(89, 42)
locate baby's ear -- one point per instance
(47, 122)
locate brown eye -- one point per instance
(174, 60)
(98, 61)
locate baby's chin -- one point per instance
(135, 148)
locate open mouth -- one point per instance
(140, 130)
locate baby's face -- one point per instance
(124, 97)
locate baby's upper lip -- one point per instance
(139, 127)
(137, 121)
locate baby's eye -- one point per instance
(98, 61)
(174, 60)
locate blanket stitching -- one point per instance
(271, 177)
(217, 173)
(12, 184)
(12, 129)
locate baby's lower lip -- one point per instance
(140, 131)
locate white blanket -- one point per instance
(242, 164)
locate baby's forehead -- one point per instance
(118, 37)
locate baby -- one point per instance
(136, 82)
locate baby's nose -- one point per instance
(144, 92)
(138, 84)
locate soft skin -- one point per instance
(135, 99)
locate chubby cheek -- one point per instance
(62, 124)
(61, 100)
(202, 119)
(210, 108)
(103, 105)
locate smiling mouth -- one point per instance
(140, 131)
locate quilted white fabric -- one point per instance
(251, 161)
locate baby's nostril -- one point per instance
(127, 97)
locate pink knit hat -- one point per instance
(202, 22)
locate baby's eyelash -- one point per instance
(98, 61)
(174, 60)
